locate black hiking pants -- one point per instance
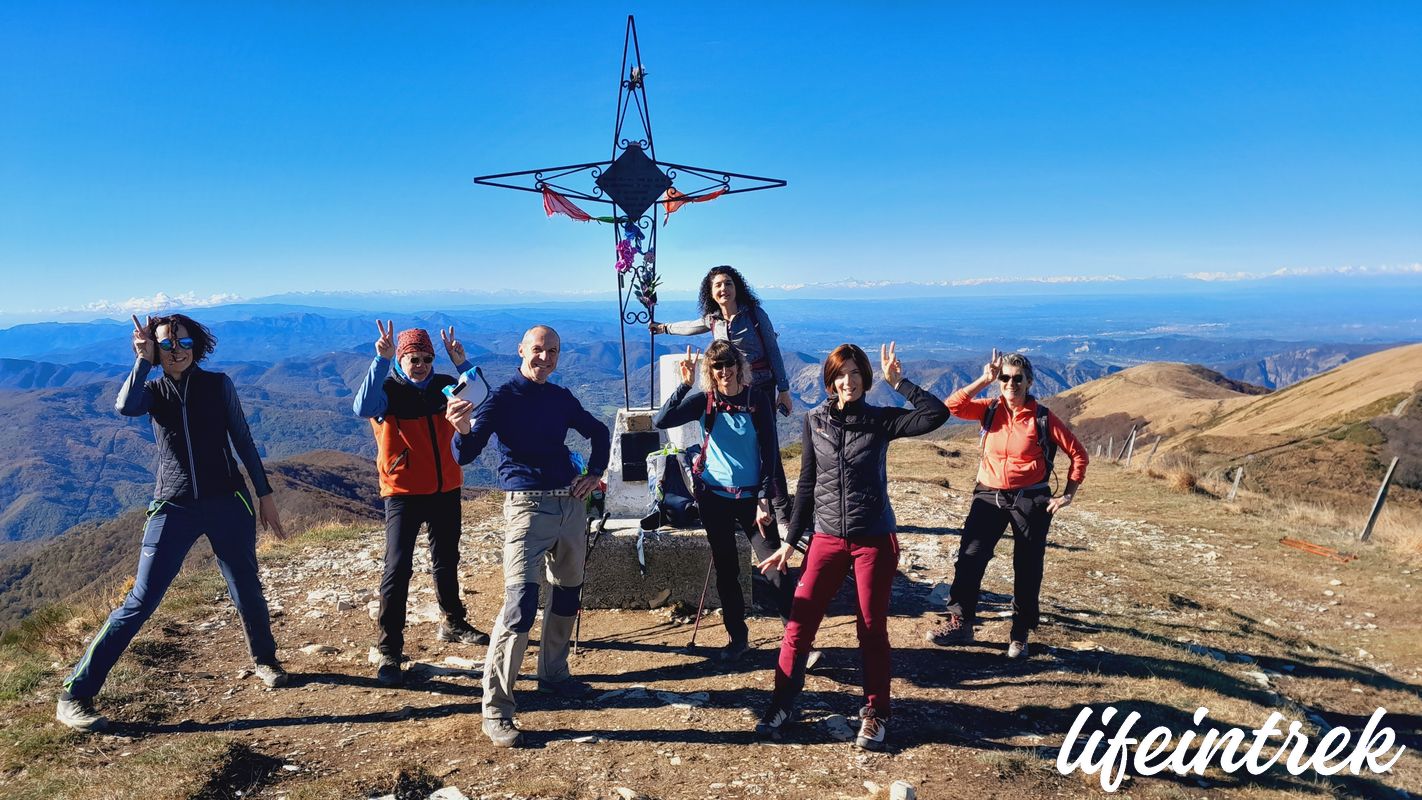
(720, 516)
(989, 516)
(404, 514)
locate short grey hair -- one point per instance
(1020, 361)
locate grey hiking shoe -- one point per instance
(388, 671)
(79, 714)
(950, 630)
(1017, 650)
(872, 730)
(814, 659)
(733, 652)
(502, 732)
(271, 675)
(461, 633)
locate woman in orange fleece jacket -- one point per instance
(1013, 489)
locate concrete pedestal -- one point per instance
(627, 498)
(676, 569)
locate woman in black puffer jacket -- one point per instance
(843, 493)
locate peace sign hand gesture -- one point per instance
(143, 344)
(385, 345)
(993, 368)
(688, 366)
(452, 346)
(889, 361)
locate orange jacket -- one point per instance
(1012, 457)
(413, 441)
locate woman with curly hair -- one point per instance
(730, 311)
(198, 425)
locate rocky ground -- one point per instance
(1154, 601)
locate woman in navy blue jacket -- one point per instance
(198, 424)
(734, 474)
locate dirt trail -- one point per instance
(1153, 602)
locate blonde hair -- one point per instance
(721, 350)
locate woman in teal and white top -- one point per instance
(734, 474)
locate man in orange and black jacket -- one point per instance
(420, 481)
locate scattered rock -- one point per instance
(448, 793)
(373, 608)
(902, 790)
(320, 650)
(839, 727)
(1259, 678)
(460, 662)
(659, 599)
(589, 739)
(1335, 582)
(632, 794)
(425, 612)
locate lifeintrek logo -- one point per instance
(1160, 750)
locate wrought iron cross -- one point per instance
(640, 189)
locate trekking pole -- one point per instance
(701, 605)
(594, 533)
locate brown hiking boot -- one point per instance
(950, 630)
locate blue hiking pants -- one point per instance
(230, 524)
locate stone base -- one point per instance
(676, 569)
(627, 498)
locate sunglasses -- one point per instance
(1019, 378)
(720, 365)
(167, 345)
(421, 359)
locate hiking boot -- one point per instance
(271, 675)
(772, 724)
(502, 732)
(950, 630)
(461, 633)
(568, 689)
(388, 672)
(1017, 650)
(813, 659)
(872, 730)
(79, 714)
(733, 652)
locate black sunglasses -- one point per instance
(421, 359)
(723, 365)
(167, 344)
(1018, 378)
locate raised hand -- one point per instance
(452, 346)
(688, 366)
(143, 345)
(992, 368)
(889, 361)
(385, 345)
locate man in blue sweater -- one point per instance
(545, 517)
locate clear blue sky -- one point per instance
(256, 148)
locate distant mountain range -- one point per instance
(73, 459)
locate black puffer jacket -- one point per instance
(197, 424)
(843, 489)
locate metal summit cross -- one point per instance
(641, 189)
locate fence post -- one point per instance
(1153, 447)
(1378, 503)
(1098, 449)
(1234, 490)
(1125, 443)
(1131, 447)
(1110, 445)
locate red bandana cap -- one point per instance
(414, 340)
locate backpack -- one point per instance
(671, 502)
(1044, 435)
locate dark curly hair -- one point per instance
(744, 296)
(204, 342)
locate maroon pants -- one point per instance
(875, 559)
